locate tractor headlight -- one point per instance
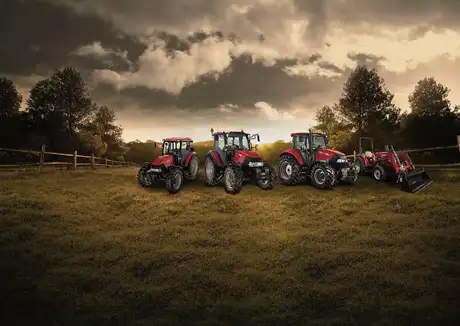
(342, 160)
(256, 164)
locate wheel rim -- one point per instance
(229, 179)
(319, 176)
(377, 174)
(177, 181)
(209, 170)
(285, 170)
(144, 179)
(358, 168)
(193, 167)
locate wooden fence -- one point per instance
(91, 160)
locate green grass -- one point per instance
(93, 248)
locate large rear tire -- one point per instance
(322, 176)
(233, 179)
(211, 172)
(144, 179)
(270, 182)
(191, 172)
(289, 170)
(174, 180)
(379, 173)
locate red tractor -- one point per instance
(178, 161)
(390, 165)
(233, 160)
(311, 159)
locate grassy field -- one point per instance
(92, 248)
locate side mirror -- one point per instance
(192, 149)
(258, 138)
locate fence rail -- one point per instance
(94, 161)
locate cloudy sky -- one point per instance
(180, 67)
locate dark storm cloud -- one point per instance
(38, 37)
(244, 84)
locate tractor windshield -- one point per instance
(319, 141)
(170, 147)
(240, 140)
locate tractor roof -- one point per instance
(230, 132)
(304, 133)
(184, 139)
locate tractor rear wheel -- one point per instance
(233, 179)
(360, 164)
(322, 176)
(379, 173)
(289, 170)
(191, 172)
(174, 180)
(270, 182)
(211, 173)
(144, 179)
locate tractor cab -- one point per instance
(227, 144)
(179, 147)
(307, 143)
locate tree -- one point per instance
(367, 105)
(10, 99)
(332, 124)
(72, 96)
(430, 97)
(10, 102)
(58, 107)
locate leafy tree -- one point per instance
(430, 97)
(330, 122)
(10, 99)
(58, 107)
(367, 105)
(432, 122)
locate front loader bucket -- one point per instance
(415, 181)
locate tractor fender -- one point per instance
(295, 154)
(188, 158)
(215, 156)
(364, 158)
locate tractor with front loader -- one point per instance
(178, 162)
(391, 165)
(311, 159)
(233, 161)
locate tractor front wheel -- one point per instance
(361, 165)
(174, 180)
(379, 173)
(144, 179)
(210, 172)
(268, 183)
(289, 170)
(233, 179)
(322, 176)
(191, 172)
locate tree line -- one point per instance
(61, 114)
(366, 109)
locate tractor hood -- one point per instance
(165, 159)
(248, 154)
(329, 152)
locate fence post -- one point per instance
(106, 162)
(92, 161)
(458, 142)
(75, 160)
(111, 161)
(42, 158)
